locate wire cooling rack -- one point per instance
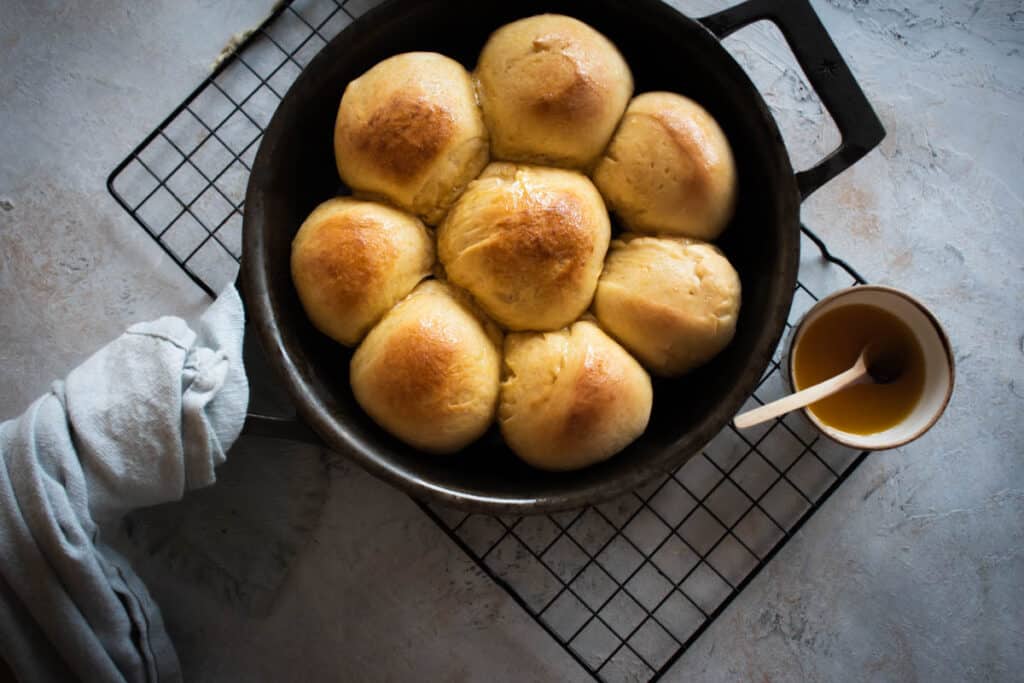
(625, 587)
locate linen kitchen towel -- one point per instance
(142, 421)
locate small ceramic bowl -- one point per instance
(938, 361)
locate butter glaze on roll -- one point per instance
(429, 372)
(571, 398)
(669, 169)
(673, 302)
(353, 260)
(410, 130)
(552, 90)
(528, 243)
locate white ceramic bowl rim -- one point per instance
(939, 364)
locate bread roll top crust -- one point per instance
(527, 243)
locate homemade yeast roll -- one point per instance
(673, 302)
(571, 398)
(669, 169)
(429, 372)
(352, 260)
(410, 130)
(552, 90)
(528, 244)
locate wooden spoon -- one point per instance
(875, 363)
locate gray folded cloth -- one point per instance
(143, 420)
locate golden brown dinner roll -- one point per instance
(571, 398)
(669, 169)
(429, 371)
(552, 90)
(353, 260)
(528, 244)
(673, 302)
(410, 130)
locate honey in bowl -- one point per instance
(831, 343)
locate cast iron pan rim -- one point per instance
(336, 436)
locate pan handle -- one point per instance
(272, 427)
(289, 428)
(828, 74)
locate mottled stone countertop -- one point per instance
(914, 570)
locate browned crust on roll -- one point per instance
(414, 370)
(546, 238)
(349, 253)
(404, 135)
(573, 95)
(692, 142)
(527, 243)
(594, 396)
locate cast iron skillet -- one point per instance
(294, 171)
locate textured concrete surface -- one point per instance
(912, 571)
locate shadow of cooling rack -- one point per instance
(625, 587)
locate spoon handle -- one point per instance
(801, 399)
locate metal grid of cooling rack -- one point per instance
(625, 587)
(185, 182)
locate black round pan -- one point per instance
(294, 171)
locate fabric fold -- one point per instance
(146, 418)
